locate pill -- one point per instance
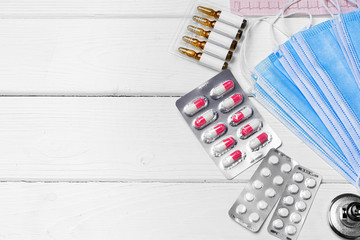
(262, 205)
(224, 145)
(291, 230)
(278, 180)
(298, 177)
(231, 102)
(249, 197)
(258, 141)
(233, 158)
(270, 192)
(305, 194)
(254, 217)
(258, 184)
(265, 172)
(295, 217)
(292, 188)
(300, 206)
(273, 160)
(283, 212)
(193, 107)
(310, 183)
(222, 89)
(286, 168)
(249, 129)
(278, 224)
(241, 115)
(241, 209)
(205, 119)
(288, 200)
(215, 132)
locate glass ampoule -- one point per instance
(224, 16)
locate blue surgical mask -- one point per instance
(317, 141)
(287, 100)
(293, 91)
(346, 28)
(310, 76)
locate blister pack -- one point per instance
(262, 191)
(227, 124)
(208, 35)
(294, 204)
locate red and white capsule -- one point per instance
(215, 132)
(204, 119)
(195, 106)
(241, 115)
(258, 141)
(233, 158)
(224, 145)
(252, 127)
(221, 89)
(231, 102)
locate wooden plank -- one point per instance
(106, 57)
(136, 211)
(106, 8)
(95, 8)
(115, 139)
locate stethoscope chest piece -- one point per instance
(344, 215)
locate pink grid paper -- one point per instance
(272, 7)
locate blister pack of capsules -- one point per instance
(227, 124)
(209, 35)
(277, 177)
(294, 204)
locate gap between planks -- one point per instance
(142, 181)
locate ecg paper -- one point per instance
(272, 7)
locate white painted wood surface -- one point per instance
(91, 144)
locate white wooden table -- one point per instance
(91, 144)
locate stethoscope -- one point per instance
(344, 216)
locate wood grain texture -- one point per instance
(93, 211)
(107, 57)
(95, 8)
(116, 139)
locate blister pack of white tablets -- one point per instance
(227, 124)
(209, 34)
(294, 204)
(262, 191)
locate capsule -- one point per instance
(241, 115)
(195, 106)
(215, 132)
(249, 129)
(258, 141)
(205, 119)
(231, 102)
(222, 89)
(224, 145)
(223, 16)
(233, 158)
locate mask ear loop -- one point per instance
(277, 17)
(275, 42)
(281, 14)
(355, 3)
(336, 4)
(244, 66)
(357, 182)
